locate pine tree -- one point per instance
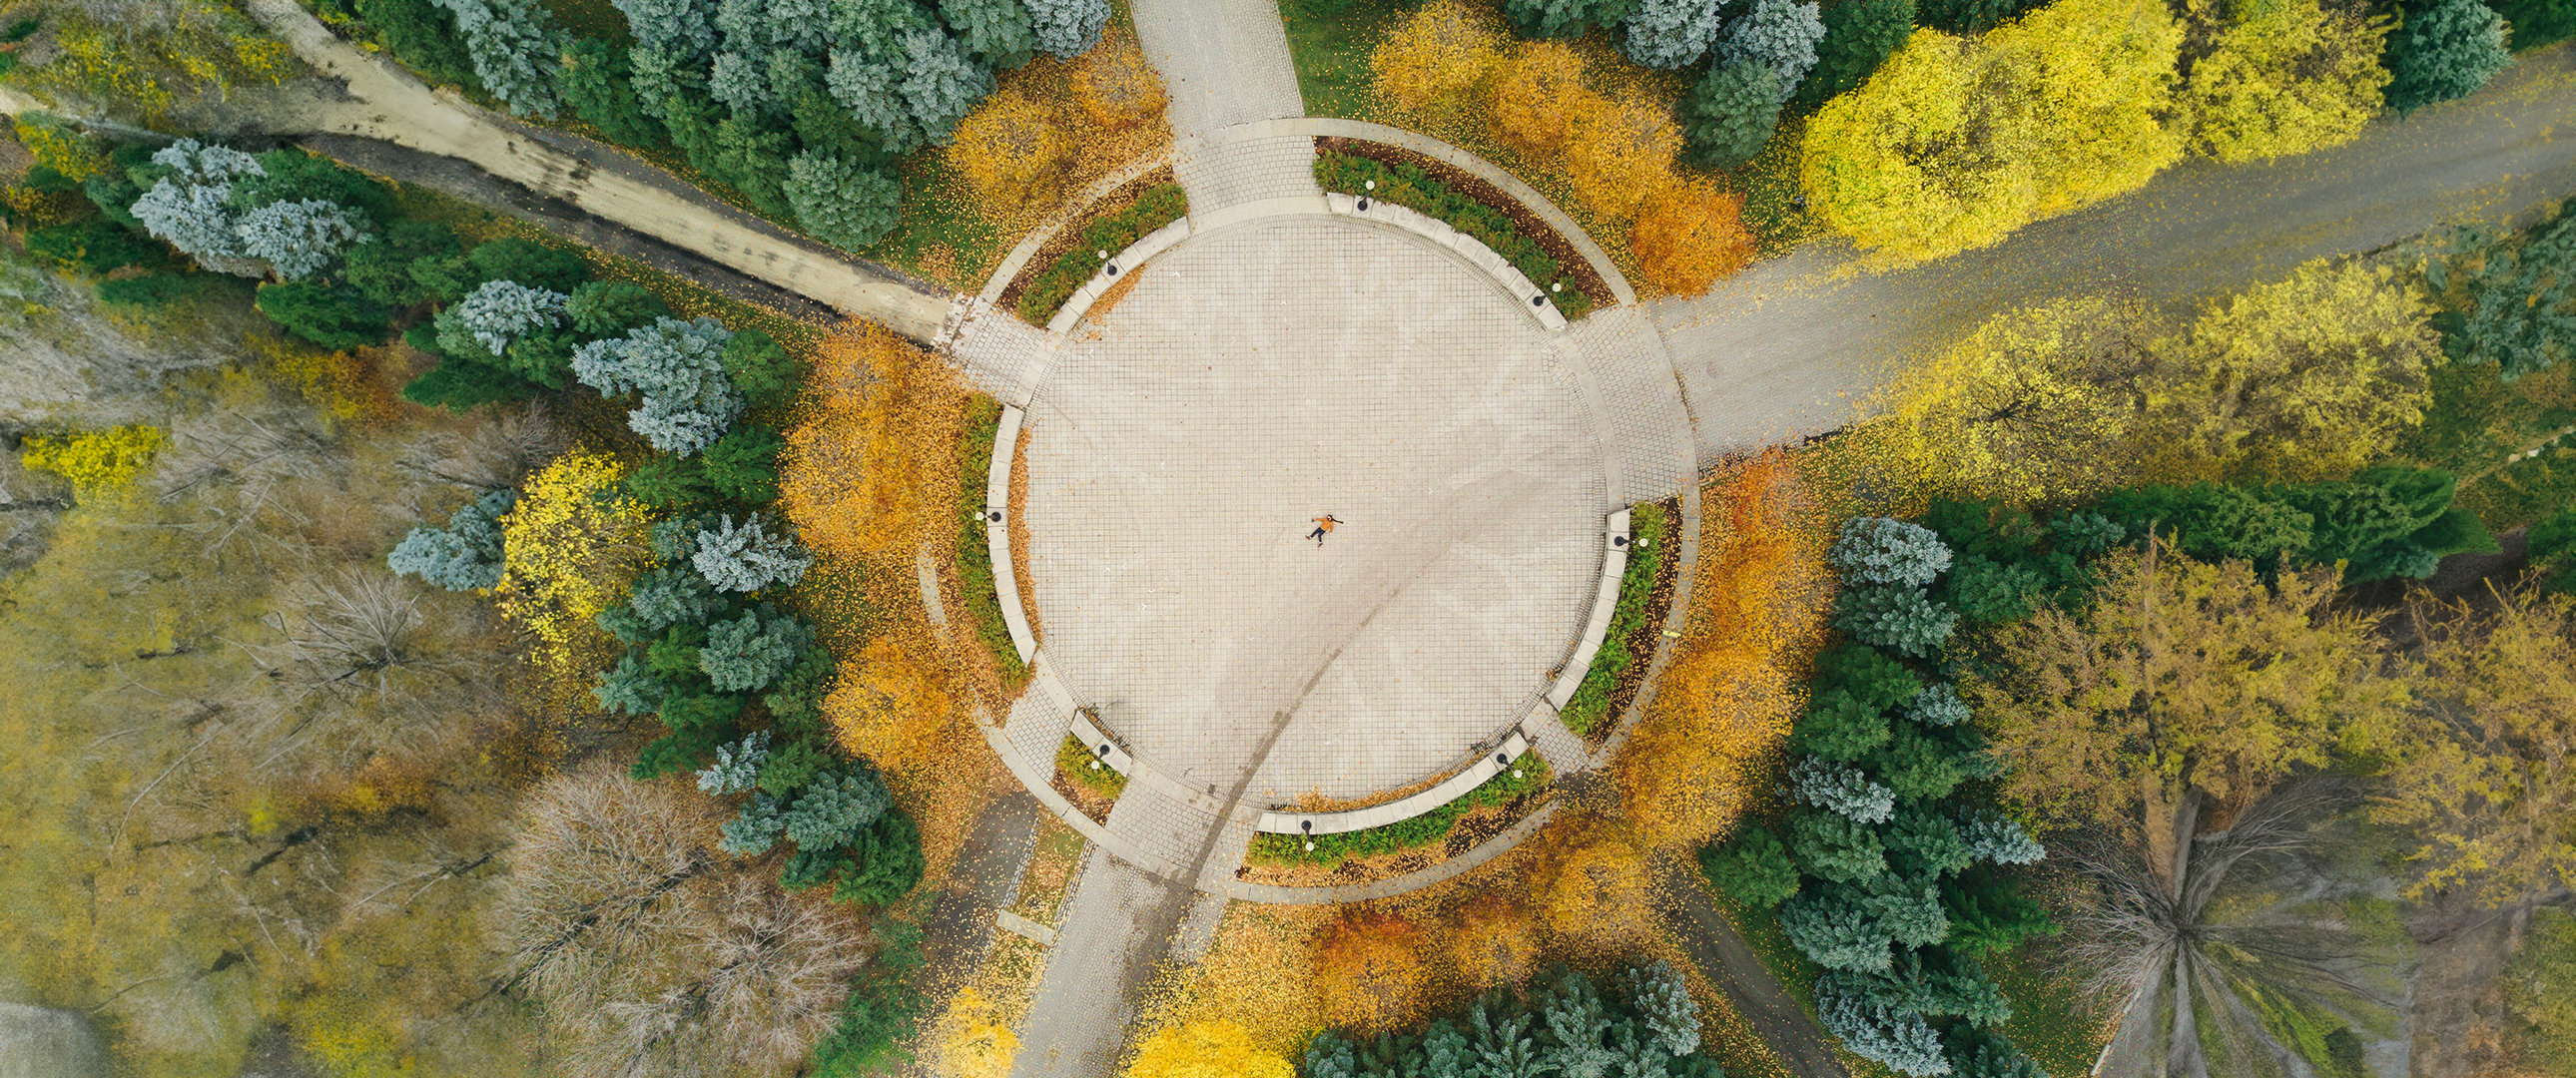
(678, 368)
(744, 464)
(612, 308)
(765, 373)
(1777, 34)
(1834, 932)
(1985, 1053)
(831, 812)
(1730, 115)
(1842, 789)
(747, 558)
(1671, 34)
(843, 204)
(1752, 868)
(752, 652)
(995, 32)
(2444, 49)
(1657, 993)
(599, 84)
(737, 765)
(1067, 28)
(1835, 848)
(630, 688)
(1839, 726)
(1991, 837)
(1566, 18)
(464, 556)
(1900, 619)
(332, 316)
(1575, 1021)
(1859, 36)
(496, 315)
(1936, 706)
(885, 863)
(190, 207)
(1925, 844)
(1898, 1038)
(517, 51)
(1883, 550)
(755, 829)
(298, 239)
(869, 83)
(940, 85)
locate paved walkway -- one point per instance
(384, 102)
(1793, 346)
(1225, 64)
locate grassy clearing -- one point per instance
(1525, 779)
(1589, 709)
(1330, 42)
(974, 557)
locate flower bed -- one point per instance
(1039, 296)
(1349, 166)
(1645, 589)
(1515, 791)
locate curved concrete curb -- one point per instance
(1037, 238)
(1401, 809)
(1605, 603)
(1467, 162)
(997, 533)
(1102, 279)
(1524, 293)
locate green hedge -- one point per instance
(1075, 759)
(1428, 829)
(1160, 205)
(974, 558)
(1412, 188)
(1590, 706)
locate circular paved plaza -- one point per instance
(1277, 370)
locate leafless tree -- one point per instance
(2166, 946)
(489, 455)
(651, 956)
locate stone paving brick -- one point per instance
(1231, 172)
(1243, 387)
(1224, 62)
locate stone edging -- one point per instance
(1605, 602)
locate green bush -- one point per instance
(1077, 762)
(1752, 868)
(1158, 206)
(974, 556)
(1590, 704)
(155, 290)
(1412, 188)
(2537, 22)
(96, 245)
(1429, 829)
(333, 316)
(884, 1006)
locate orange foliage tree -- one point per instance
(1369, 971)
(1540, 103)
(1757, 607)
(865, 476)
(1624, 154)
(1014, 151)
(1592, 887)
(893, 705)
(1689, 234)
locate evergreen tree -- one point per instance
(669, 482)
(1840, 727)
(751, 153)
(1566, 18)
(1066, 29)
(678, 369)
(1730, 115)
(380, 269)
(465, 555)
(746, 558)
(599, 84)
(423, 36)
(1657, 993)
(1777, 34)
(334, 317)
(1988, 915)
(1991, 837)
(1884, 550)
(1898, 1039)
(1917, 765)
(755, 829)
(517, 51)
(1968, 16)
(1974, 1052)
(1753, 867)
(1869, 675)
(527, 262)
(1671, 34)
(190, 206)
(1925, 844)
(1503, 1046)
(1835, 932)
(1859, 36)
(940, 85)
(495, 320)
(1835, 848)
(885, 862)
(840, 203)
(630, 688)
(612, 308)
(744, 464)
(1575, 1021)
(831, 812)
(1841, 789)
(753, 651)
(869, 84)
(737, 765)
(995, 32)
(1937, 706)
(765, 373)
(2444, 49)
(2520, 314)
(1909, 912)
(1899, 619)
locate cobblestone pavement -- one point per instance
(1179, 450)
(1795, 345)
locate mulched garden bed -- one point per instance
(1070, 236)
(1577, 269)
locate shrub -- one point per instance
(1671, 33)
(842, 204)
(1065, 29)
(1689, 234)
(1730, 115)
(97, 461)
(1013, 152)
(2444, 49)
(1859, 36)
(1155, 208)
(1753, 868)
(155, 290)
(1432, 64)
(464, 556)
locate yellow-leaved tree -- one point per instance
(1207, 1050)
(1625, 154)
(2489, 781)
(1540, 102)
(567, 550)
(1433, 64)
(2307, 378)
(2033, 406)
(1369, 971)
(1014, 151)
(2291, 78)
(1954, 143)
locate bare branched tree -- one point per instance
(489, 455)
(650, 956)
(2165, 944)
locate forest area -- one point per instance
(437, 647)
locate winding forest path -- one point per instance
(386, 103)
(1794, 346)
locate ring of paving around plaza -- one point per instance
(1259, 375)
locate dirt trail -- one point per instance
(383, 102)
